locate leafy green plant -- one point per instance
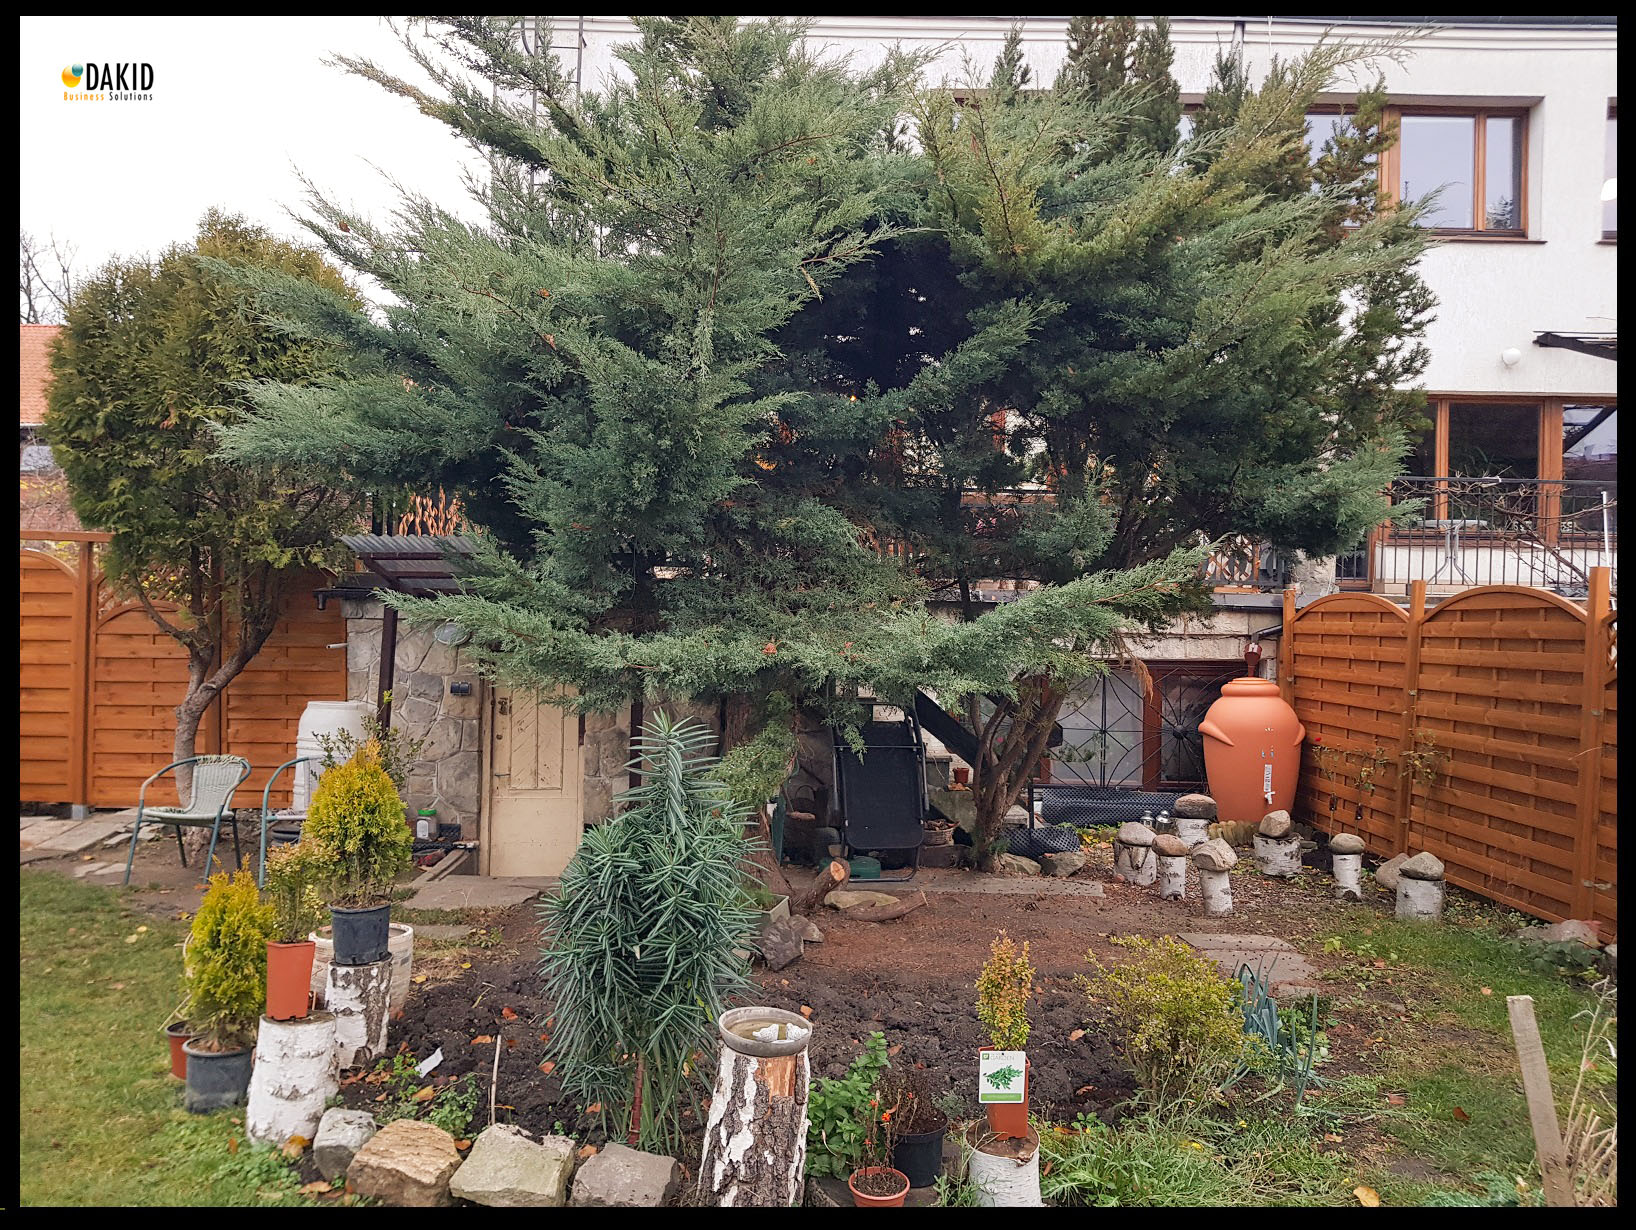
(225, 962)
(1280, 1042)
(1003, 991)
(1179, 1022)
(396, 750)
(452, 1109)
(638, 955)
(356, 822)
(293, 874)
(837, 1109)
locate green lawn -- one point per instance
(100, 1118)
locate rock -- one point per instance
(407, 1164)
(845, 899)
(1196, 807)
(1386, 875)
(507, 1169)
(808, 930)
(780, 943)
(1275, 825)
(341, 1133)
(1168, 845)
(1064, 864)
(1016, 865)
(1214, 855)
(1134, 833)
(1423, 866)
(1611, 954)
(1573, 930)
(620, 1177)
(1346, 843)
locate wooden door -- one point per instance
(535, 775)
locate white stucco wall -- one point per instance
(1493, 295)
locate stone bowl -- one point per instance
(754, 1046)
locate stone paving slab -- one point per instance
(85, 835)
(441, 931)
(27, 856)
(93, 867)
(1291, 972)
(476, 893)
(46, 832)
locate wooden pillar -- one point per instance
(81, 668)
(1597, 606)
(1286, 650)
(386, 674)
(1404, 797)
(1550, 471)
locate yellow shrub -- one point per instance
(1003, 990)
(357, 820)
(226, 963)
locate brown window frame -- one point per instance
(1391, 179)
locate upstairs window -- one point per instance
(1475, 156)
(1610, 181)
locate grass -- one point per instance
(100, 1118)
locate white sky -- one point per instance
(240, 104)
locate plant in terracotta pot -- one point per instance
(225, 969)
(1003, 990)
(876, 1183)
(293, 873)
(357, 824)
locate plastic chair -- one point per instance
(267, 813)
(215, 778)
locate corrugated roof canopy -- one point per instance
(1601, 345)
(410, 563)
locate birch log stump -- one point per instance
(755, 1142)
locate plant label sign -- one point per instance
(1000, 1076)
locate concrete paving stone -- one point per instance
(85, 835)
(441, 931)
(26, 856)
(46, 832)
(1291, 973)
(475, 893)
(1012, 887)
(91, 869)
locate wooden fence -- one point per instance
(98, 683)
(1507, 698)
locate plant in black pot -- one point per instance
(225, 967)
(358, 822)
(919, 1126)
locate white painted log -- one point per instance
(1193, 829)
(400, 943)
(1420, 899)
(1218, 892)
(1004, 1182)
(1348, 872)
(755, 1140)
(294, 1076)
(1135, 864)
(1279, 857)
(359, 996)
(1173, 877)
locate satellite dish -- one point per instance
(451, 634)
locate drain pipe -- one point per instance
(1252, 650)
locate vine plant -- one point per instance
(1425, 761)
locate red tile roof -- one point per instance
(34, 364)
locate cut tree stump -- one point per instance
(806, 899)
(755, 1141)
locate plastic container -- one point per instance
(322, 717)
(1252, 750)
(360, 936)
(289, 979)
(864, 867)
(178, 1032)
(216, 1078)
(401, 944)
(920, 1156)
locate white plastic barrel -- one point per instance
(322, 717)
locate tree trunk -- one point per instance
(772, 875)
(1006, 769)
(813, 894)
(755, 1143)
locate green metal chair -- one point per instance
(215, 778)
(267, 812)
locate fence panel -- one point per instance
(1508, 697)
(46, 677)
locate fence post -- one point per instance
(1404, 799)
(1597, 604)
(1286, 651)
(79, 701)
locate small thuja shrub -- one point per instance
(1003, 991)
(356, 821)
(1179, 1020)
(293, 875)
(638, 954)
(225, 964)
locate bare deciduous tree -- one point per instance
(46, 279)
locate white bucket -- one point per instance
(400, 945)
(322, 717)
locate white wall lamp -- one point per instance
(1510, 356)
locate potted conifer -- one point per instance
(1003, 991)
(292, 874)
(357, 824)
(225, 967)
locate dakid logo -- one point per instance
(129, 82)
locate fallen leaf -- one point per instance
(481, 1039)
(511, 1044)
(806, 1010)
(894, 1049)
(783, 982)
(315, 1188)
(131, 939)
(119, 986)
(380, 1097)
(507, 1014)
(548, 1067)
(465, 965)
(587, 1151)
(595, 1108)
(140, 930)
(418, 978)
(1333, 1138)
(350, 1078)
(1395, 1099)
(1045, 1169)
(1488, 990)
(1076, 1035)
(545, 1037)
(1378, 964)
(462, 1145)
(1083, 1090)
(233, 1145)
(424, 1094)
(1367, 1196)
(294, 1147)
(1461, 1115)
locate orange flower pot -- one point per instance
(863, 1200)
(178, 1033)
(1009, 1120)
(289, 979)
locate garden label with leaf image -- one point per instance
(1000, 1076)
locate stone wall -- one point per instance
(448, 774)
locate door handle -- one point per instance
(502, 775)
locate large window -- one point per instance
(1466, 165)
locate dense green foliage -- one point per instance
(294, 874)
(154, 357)
(356, 823)
(226, 962)
(1003, 990)
(638, 952)
(840, 1109)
